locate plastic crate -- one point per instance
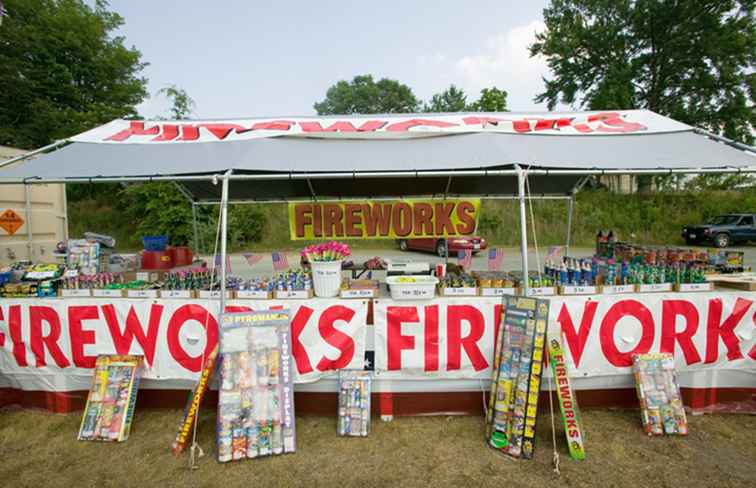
(155, 243)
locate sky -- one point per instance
(246, 58)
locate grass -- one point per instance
(40, 449)
(655, 218)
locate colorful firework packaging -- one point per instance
(110, 404)
(354, 403)
(661, 406)
(256, 397)
(573, 429)
(518, 364)
(192, 406)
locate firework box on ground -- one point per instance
(256, 396)
(193, 403)
(354, 403)
(661, 406)
(110, 404)
(516, 381)
(573, 429)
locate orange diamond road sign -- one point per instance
(10, 221)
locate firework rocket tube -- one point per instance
(567, 401)
(195, 399)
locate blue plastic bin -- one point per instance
(155, 243)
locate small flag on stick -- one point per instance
(280, 262)
(252, 258)
(495, 256)
(464, 258)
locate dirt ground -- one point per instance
(40, 449)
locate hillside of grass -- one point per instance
(655, 218)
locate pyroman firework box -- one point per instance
(256, 395)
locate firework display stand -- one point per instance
(427, 355)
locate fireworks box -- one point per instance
(256, 396)
(111, 400)
(661, 406)
(354, 403)
(517, 370)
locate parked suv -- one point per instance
(722, 230)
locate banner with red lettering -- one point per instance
(52, 344)
(708, 333)
(381, 126)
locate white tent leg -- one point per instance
(523, 230)
(223, 237)
(570, 209)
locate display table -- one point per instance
(428, 356)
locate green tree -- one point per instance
(450, 100)
(363, 95)
(491, 100)
(454, 100)
(183, 104)
(63, 71)
(692, 61)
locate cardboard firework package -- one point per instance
(516, 381)
(256, 396)
(661, 405)
(567, 401)
(110, 404)
(354, 403)
(193, 403)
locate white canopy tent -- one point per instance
(376, 156)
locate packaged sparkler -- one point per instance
(354, 403)
(110, 404)
(661, 405)
(256, 397)
(516, 381)
(573, 429)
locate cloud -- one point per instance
(503, 61)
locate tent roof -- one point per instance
(358, 155)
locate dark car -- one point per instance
(722, 230)
(441, 246)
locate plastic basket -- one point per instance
(412, 287)
(326, 278)
(155, 243)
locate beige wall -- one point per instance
(48, 219)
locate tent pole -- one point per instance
(523, 230)
(570, 210)
(28, 223)
(224, 233)
(194, 225)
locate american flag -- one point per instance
(494, 259)
(280, 262)
(464, 258)
(217, 262)
(252, 258)
(554, 251)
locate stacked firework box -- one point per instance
(256, 397)
(568, 405)
(662, 410)
(111, 400)
(354, 403)
(518, 364)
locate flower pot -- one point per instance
(326, 278)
